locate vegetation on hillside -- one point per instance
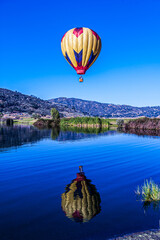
(15, 102)
(107, 110)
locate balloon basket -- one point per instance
(80, 79)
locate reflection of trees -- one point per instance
(81, 201)
(89, 130)
(142, 132)
(19, 135)
(76, 133)
(55, 133)
(12, 136)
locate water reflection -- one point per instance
(20, 135)
(55, 133)
(88, 130)
(147, 205)
(81, 201)
(142, 132)
(14, 136)
(76, 133)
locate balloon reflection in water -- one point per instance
(81, 201)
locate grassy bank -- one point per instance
(25, 121)
(77, 122)
(88, 122)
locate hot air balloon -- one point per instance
(81, 47)
(81, 201)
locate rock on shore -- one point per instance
(147, 235)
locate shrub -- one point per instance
(120, 122)
(149, 192)
(105, 121)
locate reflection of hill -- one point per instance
(81, 201)
(73, 134)
(20, 135)
(142, 132)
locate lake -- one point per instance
(39, 185)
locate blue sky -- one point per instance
(126, 72)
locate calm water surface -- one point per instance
(38, 166)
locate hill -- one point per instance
(93, 108)
(15, 102)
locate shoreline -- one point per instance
(153, 234)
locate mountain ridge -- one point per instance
(16, 102)
(100, 102)
(94, 108)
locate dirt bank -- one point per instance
(143, 123)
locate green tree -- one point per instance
(120, 123)
(55, 115)
(98, 120)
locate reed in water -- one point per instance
(150, 191)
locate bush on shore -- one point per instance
(83, 121)
(149, 192)
(120, 123)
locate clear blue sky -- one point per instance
(126, 72)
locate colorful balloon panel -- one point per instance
(81, 47)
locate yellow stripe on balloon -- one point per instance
(94, 45)
(63, 47)
(69, 47)
(97, 51)
(85, 45)
(75, 43)
(80, 43)
(89, 46)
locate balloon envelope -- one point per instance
(81, 47)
